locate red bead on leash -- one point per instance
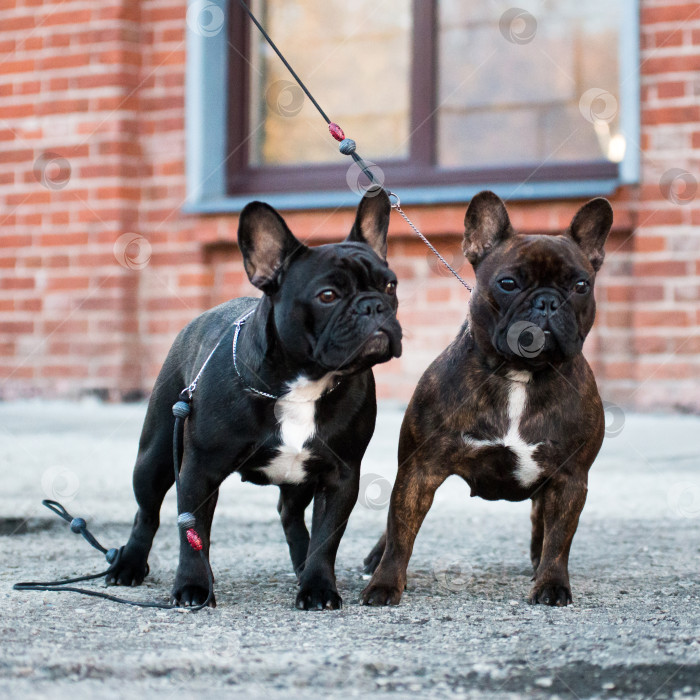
(194, 539)
(336, 132)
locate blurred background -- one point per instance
(132, 132)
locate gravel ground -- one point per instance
(463, 628)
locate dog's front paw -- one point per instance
(189, 595)
(318, 597)
(131, 570)
(381, 594)
(550, 593)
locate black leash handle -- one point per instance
(185, 521)
(79, 527)
(347, 146)
(272, 44)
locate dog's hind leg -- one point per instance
(293, 502)
(375, 556)
(537, 519)
(153, 477)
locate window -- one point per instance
(441, 94)
(359, 66)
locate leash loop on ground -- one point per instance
(186, 522)
(79, 527)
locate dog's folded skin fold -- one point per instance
(511, 405)
(327, 315)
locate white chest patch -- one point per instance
(296, 414)
(527, 470)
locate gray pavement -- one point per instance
(463, 628)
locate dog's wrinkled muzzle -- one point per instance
(358, 340)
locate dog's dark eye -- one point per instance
(327, 296)
(390, 288)
(508, 284)
(582, 286)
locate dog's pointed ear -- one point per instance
(267, 245)
(590, 227)
(486, 224)
(372, 221)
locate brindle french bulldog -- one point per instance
(511, 405)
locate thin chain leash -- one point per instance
(397, 206)
(348, 148)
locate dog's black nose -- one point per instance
(370, 306)
(547, 303)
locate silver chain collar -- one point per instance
(236, 333)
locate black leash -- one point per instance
(348, 147)
(185, 521)
(268, 38)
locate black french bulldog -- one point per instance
(511, 405)
(327, 315)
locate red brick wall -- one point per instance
(99, 268)
(665, 301)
